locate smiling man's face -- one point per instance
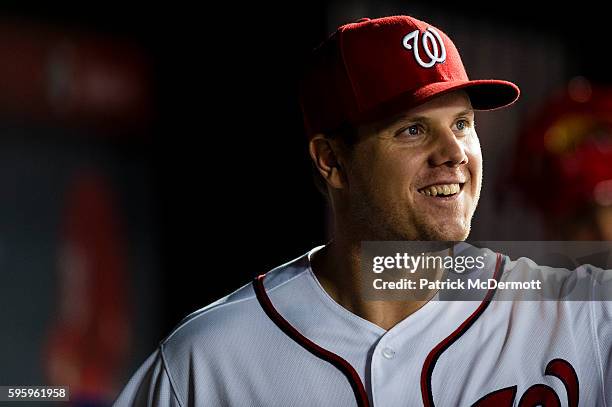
(416, 176)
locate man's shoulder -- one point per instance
(235, 314)
(576, 282)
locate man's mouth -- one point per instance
(441, 190)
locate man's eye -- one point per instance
(462, 124)
(413, 130)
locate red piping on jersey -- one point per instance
(434, 355)
(345, 367)
(361, 396)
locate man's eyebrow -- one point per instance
(402, 118)
(399, 119)
(425, 119)
(409, 118)
(465, 112)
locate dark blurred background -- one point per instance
(153, 159)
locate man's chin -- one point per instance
(446, 232)
(424, 231)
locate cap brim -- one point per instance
(485, 94)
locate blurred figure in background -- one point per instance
(567, 175)
(75, 109)
(90, 335)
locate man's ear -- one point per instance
(324, 154)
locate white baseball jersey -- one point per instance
(291, 344)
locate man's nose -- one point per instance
(448, 150)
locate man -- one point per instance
(389, 112)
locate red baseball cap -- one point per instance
(374, 68)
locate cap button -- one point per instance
(362, 20)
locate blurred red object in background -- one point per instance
(91, 332)
(563, 162)
(72, 78)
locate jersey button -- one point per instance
(388, 353)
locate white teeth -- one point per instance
(441, 189)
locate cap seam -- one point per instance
(348, 73)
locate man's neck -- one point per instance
(337, 267)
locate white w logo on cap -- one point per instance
(437, 53)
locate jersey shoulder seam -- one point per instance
(231, 302)
(170, 378)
